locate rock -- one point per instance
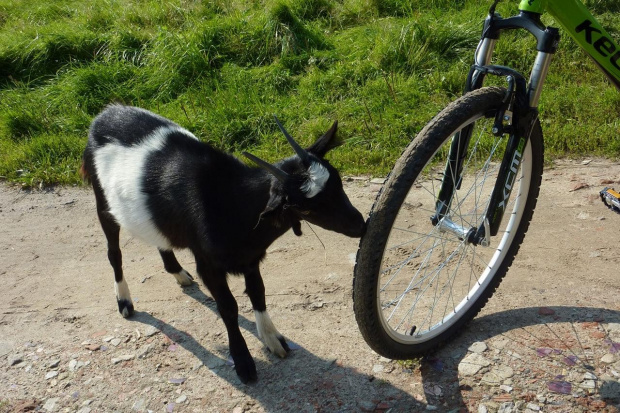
(589, 376)
(108, 339)
(125, 357)
(366, 406)
(53, 364)
(377, 181)
(478, 347)
(50, 404)
(608, 358)
(377, 368)
(429, 407)
(139, 405)
(238, 409)
(73, 365)
(588, 384)
(51, 374)
(505, 388)
(546, 311)
(482, 409)
(181, 399)
(115, 342)
(506, 407)
(144, 351)
(84, 410)
(14, 359)
(472, 363)
(151, 331)
(533, 407)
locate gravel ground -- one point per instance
(549, 340)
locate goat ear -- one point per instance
(326, 142)
(275, 201)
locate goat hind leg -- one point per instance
(267, 332)
(112, 230)
(173, 267)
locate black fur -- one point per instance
(225, 212)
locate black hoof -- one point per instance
(284, 344)
(125, 307)
(246, 370)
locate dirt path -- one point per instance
(547, 341)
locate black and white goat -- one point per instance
(164, 186)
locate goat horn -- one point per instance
(274, 170)
(301, 152)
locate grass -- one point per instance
(223, 68)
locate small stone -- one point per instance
(108, 339)
(84, 410)
(588, 384)
(608, 358)
(14, 359)
(482, 409)
(126, 357)
(506, 388)
(366, 406)
(589, 376)
(93, 347)
(472, 363)
(533, 407)
(53, 364)
(181, 399)
(238, 409)
(377, 368)
(177, 381)
(139, 405)
(378, 181)
(73, 365)
(50, 404)
(151, 331)
(429, 407)
(316, 305)
(478, 347)
(115, 342)
(506, 407)
(546, 311)
(144, 351)
(51, 374)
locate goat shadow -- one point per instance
(301, 382)
(305, 382)
(524, 329)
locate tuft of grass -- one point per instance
(223, 68)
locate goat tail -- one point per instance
(84, 173)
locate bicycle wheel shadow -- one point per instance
(301, 382)
(556, 354)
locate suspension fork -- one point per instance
(517, 101)
(522, 100)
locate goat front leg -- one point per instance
(173, 267)
(267, 332)
(215, 281)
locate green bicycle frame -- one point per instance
(579, 23)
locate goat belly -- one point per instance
(120, 171)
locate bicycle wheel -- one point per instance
(415, 286)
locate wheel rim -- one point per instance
(429, 279)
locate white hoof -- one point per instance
(183, 278)
(269, 333)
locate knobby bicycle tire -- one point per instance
(441, 258)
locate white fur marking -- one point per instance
(122, 293)
(183, 278)
(120, 170)
(268, 333)
(317, 177)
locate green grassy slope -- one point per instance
(222, 68)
